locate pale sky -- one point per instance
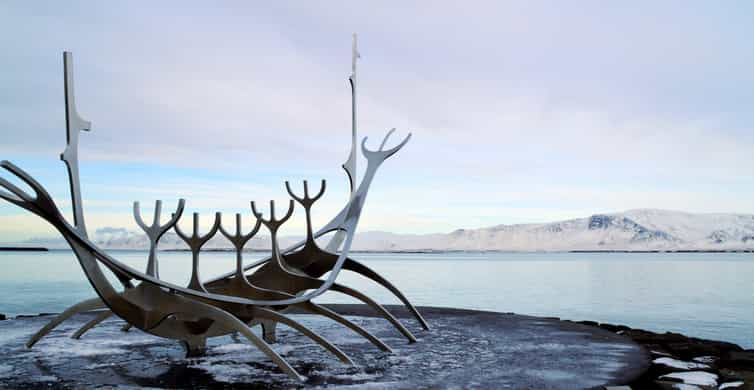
(520, 111)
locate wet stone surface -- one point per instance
(464, 349)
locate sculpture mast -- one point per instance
(70, 156)
(350, 165)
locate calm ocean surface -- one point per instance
(708, 295)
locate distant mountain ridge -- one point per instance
(641, 229)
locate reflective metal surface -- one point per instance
(258, 293)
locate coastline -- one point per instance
(440, 251)
(674, 357)
(463, 347)
(23, 249)
(674, 353)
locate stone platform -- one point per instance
(464, 349)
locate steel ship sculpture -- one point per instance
(252, 294)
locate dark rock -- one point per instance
(685, 348)
(646, 337)
(599, 222)
(658, 350)
(739, 359)
(2, 317)
(729, 361)
(22, 316)
(699, 347)
(590, 323)
(689, 349)
(727, 375)
(614, 328)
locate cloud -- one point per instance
(519, 112)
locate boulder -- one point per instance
(739, 359)
(614, 328)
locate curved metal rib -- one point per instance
(377, 307)
(321, 310)
(270, 276)
(155, 304)
(105, 314)
(154, 232)
(262, 313)
(345, 221)
(367, 272)
(232, 323)
(315, 262)
(325, 262)
(89, 304)
(90, 255)
(44, 206)
(240, 286)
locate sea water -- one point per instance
(708, 295)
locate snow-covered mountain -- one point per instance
(643, 229)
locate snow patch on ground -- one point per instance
(283, 349)
(76, 349)
(680, 364)
(46, 378)
(705, 359)
(360, 376)
(98, 366)
(230, 348)
(700, 378)
(731, 385)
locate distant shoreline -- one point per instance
(440, 251)
(413, 251)
(22, 249)
(352, 251)
(666, 251)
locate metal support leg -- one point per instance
(92, 323)
(266, 314)
(89, 304)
